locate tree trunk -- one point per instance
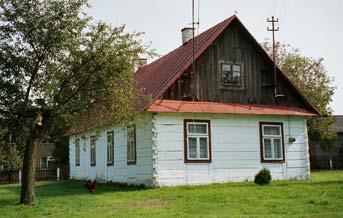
(28, 195)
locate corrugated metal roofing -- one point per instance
(157, 77)
(172, 106)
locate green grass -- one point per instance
(322, 196)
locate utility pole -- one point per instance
(273, 30)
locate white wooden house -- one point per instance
(220, 119)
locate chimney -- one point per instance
(187, 34)
(137, 63)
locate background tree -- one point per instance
(311, 77)
(56, 64)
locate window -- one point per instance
(131, 145)
(272, 148)
(110, 148)
(46, 162)
(77, 152)
(231, 74)
(93, 150)
(197, 141)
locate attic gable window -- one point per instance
(197, 141)
(231, 74)
(272, 147)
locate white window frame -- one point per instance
(131, 146)
(198, 136)
(232, 72)
(77, 152)
(272, 138)
(110, 148)
(92, 150)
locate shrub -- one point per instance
(263, 177)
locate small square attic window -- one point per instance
(231, 74)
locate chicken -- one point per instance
(90, 186)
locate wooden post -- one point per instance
(19, 176)
(58, 173)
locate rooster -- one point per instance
(90, 186)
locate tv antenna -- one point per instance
(193, 43)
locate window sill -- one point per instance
(197, 161)
(93, 165)
(238, 88)
(131, 163)
(272, 161)
(110, 164)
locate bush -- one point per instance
(263, 177)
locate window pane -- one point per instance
(192, 147)
(277, 148)
(272, 130)
(226, 67)
(236, 68)
(201, 128)
(236, 78)
(203, 148)
(191, 128)
(43, 162)
(267, 148)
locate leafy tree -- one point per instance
(13, 158)
(55, 63)
(311, 77)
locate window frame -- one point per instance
(132, 161)
(232, 86)
(77, 152)
(262, 137)
(112, 146)
(47, 161)
(185, 130)
(90, 150)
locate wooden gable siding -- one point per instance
(233, 45)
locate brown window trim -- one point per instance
(185, 121)
(110, 163)
(78, 163)
(133, 162)
(90, 150)
(261, 143)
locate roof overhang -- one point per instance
(172, 106)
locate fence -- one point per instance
(41, 175)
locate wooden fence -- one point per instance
(7, 177)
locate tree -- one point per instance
(55, 63)
(311, 77)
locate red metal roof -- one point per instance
(171, 106)
(157, 77)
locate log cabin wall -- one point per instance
(234, 45)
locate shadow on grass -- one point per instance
(70, 187)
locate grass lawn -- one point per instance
(322, 196)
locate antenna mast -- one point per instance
(273, 30)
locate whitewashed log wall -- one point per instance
(235, 142)
(141, 173)
(235, 150)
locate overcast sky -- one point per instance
(313, 26)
